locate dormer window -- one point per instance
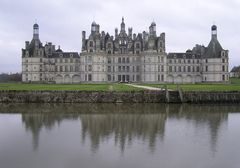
(60, 55)
(91, 44)
(71, 55)
(109, 45)
(223, 54)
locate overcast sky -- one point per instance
(185, 22)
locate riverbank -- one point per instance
(142, 96)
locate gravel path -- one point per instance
(145, 87)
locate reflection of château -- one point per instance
(125, 124)
(124, 57)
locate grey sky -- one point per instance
(185, 22)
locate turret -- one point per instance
(116, 33)
(122, 25)
(93, 27)
(214, 31)
(35, 31)
(26, 44)
(83, 40)
(130, 33)
(152, 29)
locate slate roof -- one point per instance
(236, 69)
(64, 55)
(183, 55)
(214, 49)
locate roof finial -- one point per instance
(122, 19)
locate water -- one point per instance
(119, 136)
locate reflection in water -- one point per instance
(123, 122)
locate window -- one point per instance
(109, 68)
(89, 77)
(119, 77)
(206, 61)
(170, 68)
(119, 60)
(179, 69)
(123, 68)
(127, 60)
(91, 44)
(123, 60)
(161, 59)
(223, 60)
(198, 68)
(189, 69)
(128, 68)
(109, 77)
(91, 50)
(119, 68)
(137, 52)
(223, 68)
(109, 45)
(109, 51)
(223, 77)
(89, 67)
(206, 68)
(109, 60)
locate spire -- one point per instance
(122, 25)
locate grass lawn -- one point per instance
(233, 86)
(82, 87)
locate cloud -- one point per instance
(185, 22)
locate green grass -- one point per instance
(73, 87)
(233, 86)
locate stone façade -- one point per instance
(124, 57)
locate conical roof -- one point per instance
(214, 49)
